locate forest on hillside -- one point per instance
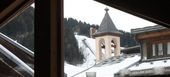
(82, 28)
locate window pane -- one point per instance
(160, 49)
(168, 46)
(153, 49)
(144, 51)
(16, 38)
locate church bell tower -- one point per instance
(107, 39)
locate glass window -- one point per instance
(144, 51)
(168, 46)
(153, 49)
(160, 49)
(17, 43)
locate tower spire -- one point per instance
(107, 25)
(106, 9)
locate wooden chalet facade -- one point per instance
(154, 41)
(155, 53)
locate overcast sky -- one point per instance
(33, 5)
(93, 12)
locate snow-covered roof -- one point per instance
(148, 29)
(151, 64)
(148, 68)
(106, 70)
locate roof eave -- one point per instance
(107, 33)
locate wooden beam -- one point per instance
(16, 60)
(9, 8)
(6, 70)
(56, 28)
(153, 34)
(13, 10)
(16, 49)
(148, 10)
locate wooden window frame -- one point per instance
(150, 51)
(156, 40)
(13, 10)
(9, 8)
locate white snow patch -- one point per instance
(71, 70)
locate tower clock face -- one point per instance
(10, 8)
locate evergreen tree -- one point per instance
(72, 54)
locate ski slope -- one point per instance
(71, 70)
(89, 56)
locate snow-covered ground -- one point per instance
(103, 71)
(71, 70)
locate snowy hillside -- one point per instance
(102, 71)
(89, 56)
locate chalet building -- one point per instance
(107, 36)
(155, 53)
